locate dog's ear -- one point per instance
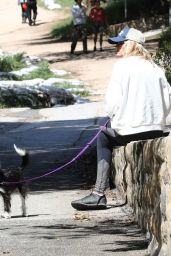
(20, 151)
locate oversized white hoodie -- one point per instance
(138, 97)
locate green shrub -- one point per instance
(163, 55)
(168, 75)
(135, 9)
(43, 72)
(80, 91)
(10, 63)
(63, 29)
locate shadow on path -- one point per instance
(51, 144)
(105, 236)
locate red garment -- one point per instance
(24, 6)
(97, 15)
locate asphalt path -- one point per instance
(53, 137)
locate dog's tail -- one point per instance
(25, 156)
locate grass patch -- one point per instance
(79, 91)
(163, 55)
(63, 29)
(10, 63)
(43, 72)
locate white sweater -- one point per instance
(79, 14)
(138, 97)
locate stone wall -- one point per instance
(142, 172)
(143, 24)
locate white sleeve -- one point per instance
(114, 92)
(165, 91)
(76, 12)
(167, 96)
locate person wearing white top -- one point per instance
(79, 21)
(137, 101)
(137, 98)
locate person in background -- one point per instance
(32, 11)
(137, 102)
(90, 3)
(79, 20)
(99, 22)
(24, 9)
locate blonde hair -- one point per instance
(132, 48)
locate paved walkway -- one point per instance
(53, 227)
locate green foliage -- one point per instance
(4, 105)
(10, 63)
(163, 55)
(80, 91)
(83, 93)
(63, 29)
(43, 72)
(168, 75)
(135, 9)
(115, 11)
(165, 39)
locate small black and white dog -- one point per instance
(13, 175)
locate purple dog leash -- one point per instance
(83, 150)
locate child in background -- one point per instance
(99, 21)
(24, 9)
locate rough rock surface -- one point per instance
(143, 175)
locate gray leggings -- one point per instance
(106, 142)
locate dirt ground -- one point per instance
(93, 68)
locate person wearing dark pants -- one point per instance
(32, 11)
(24, 9)
(99, 23)
(108, 140)
(79, 20)
(135, 111)
(79, 30)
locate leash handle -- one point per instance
(62, 166)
